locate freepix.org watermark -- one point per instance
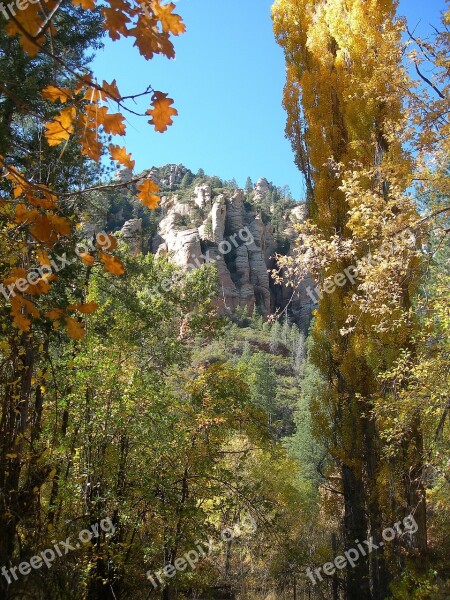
(246, 526)
(15, 6)
(365, 548)
(351, 273)
(210, 257)
(56, 264)
(59, 549)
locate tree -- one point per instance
(275, 336)
(56, 125)
(345, 120)
(187, 180)
(249, 185)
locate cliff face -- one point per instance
(230, 234)
(203, 219)
(229, 227)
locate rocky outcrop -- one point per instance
(234, 235)
(131, 233)
(233, 229)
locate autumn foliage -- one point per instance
(87, 114)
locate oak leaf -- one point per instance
(23, 215)
(120, 155)
(115, 22)
(54, 313)
(25, 22)
(43, 257)
(106, 241)
(112, 264)
(85, 4)
(75, 328)
(87, 259)
(171, 23)
(111, 89)
(147, 193)
(61, 128)
(61, 225)
(91, 146)
(54, 93)
(86, 309)
(162, 112)
(149, 40)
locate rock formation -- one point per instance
(237, 231)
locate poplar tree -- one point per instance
(346, 122)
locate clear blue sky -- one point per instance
(227, 82)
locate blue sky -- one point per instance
(227, 82)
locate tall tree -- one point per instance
(344, 102)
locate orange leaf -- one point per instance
(106, 241)
(87, 258)
(43, 231)
(54, 93)
(14, 275)
(61, 128)
(115, 22)
(75, 328)
(54, 313)
(111, 89)
(149, 41)
(23, 215)
(171, 23)
(113, 123)
(85, 4)
(147, 190)
(162, 112)
(43, 257)
(112, 264)
(86, 309)
(20, 308)
(120, 155)
(91, 146)
(60, 224)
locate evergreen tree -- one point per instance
(275, 336)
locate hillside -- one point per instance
(204, 219)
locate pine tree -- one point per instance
(275, 336)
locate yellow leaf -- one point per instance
(29, 22)
(147, 193)
(43, 258)
(162, 112)
(54, 93)
(61, 128)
